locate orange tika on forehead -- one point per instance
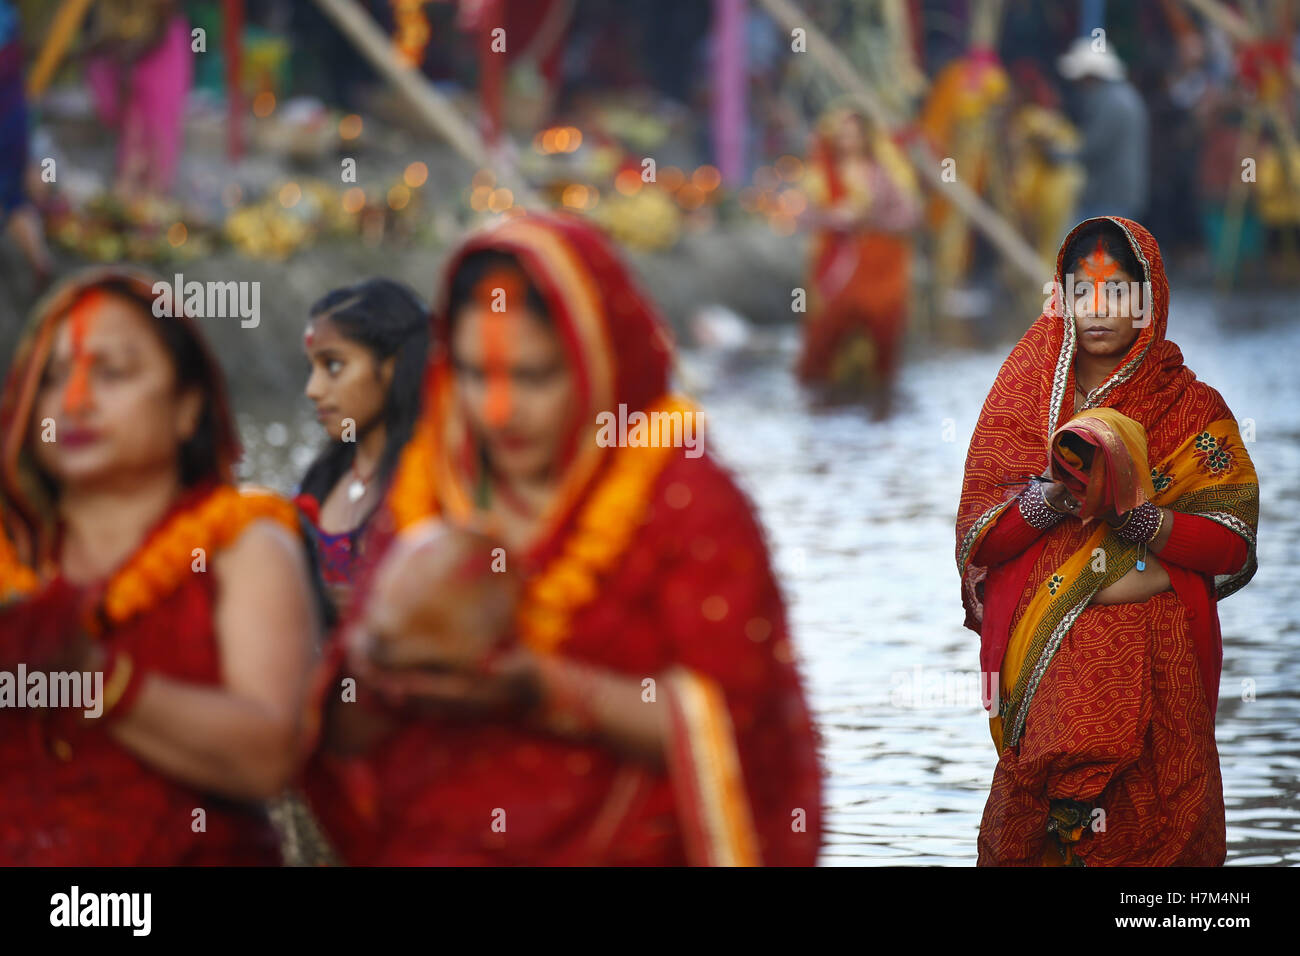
(498, 292)
(1099, 267)
(81, 318)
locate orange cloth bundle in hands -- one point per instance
(1100, 455)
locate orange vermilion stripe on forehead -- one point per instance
(81, 317)
(553, 265)
(1099, 267)
(497, 293)
(583, 302)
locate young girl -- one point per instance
(367, 345)
(127, 553)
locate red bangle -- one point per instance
(123, 681)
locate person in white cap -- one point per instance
(1114, 128)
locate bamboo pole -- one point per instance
(982, 216)
(62, 32)
(430, 105)
(899, 27)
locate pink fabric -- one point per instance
(151, 123)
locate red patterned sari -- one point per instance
(651, 565)
(72, 794)
(1103, 715)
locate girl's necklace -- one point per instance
(358, 485)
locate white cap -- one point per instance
(1083, 60)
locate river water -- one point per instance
(860, 520)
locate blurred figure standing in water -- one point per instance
(1044, 177)
(864, 203)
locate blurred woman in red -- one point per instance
(128, 552)
(864, 203)
(648, 710)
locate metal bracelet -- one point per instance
(1036, 510)
(1141, 524)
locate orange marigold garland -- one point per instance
(161, 565)
(16, 579)
(602, 533)
(413, 495)
(163, 562)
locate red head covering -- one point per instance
(618, 347)
(26, 510)
(1033, 396)
(592, 299)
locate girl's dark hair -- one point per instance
(201, 454)
(1112, 240)
(390, 320)
(474, 267)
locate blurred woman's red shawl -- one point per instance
(73, 796)
(690, 602)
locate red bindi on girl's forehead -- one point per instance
(308, 336)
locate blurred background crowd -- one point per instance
(139, 147)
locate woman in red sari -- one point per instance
(865, 202)
(650, 709)
(128, 553)
(1100, 640)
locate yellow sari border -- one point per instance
(704, 764)
(1211, 475)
